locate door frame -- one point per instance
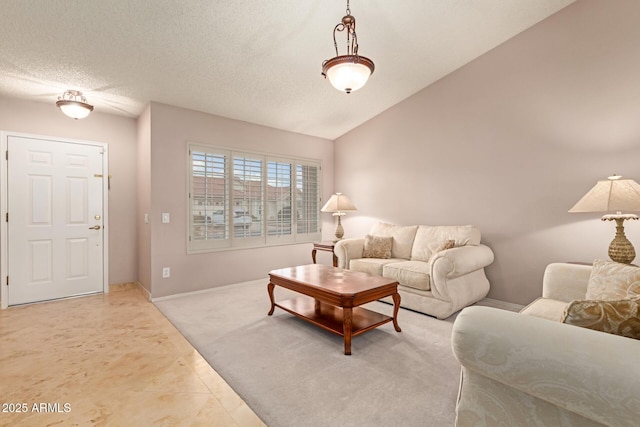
(4, 176)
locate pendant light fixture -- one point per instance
(348, 72)
(74, 104)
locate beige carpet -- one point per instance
(292, 373)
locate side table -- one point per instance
(326, 246)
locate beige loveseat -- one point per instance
(432, 279)
(534, 370)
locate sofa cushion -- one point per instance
(414, 274)
(402, 237)
(546, 308)
(430, 238)
(371, 265)
(615, 317)
(611, 281)
(377, 247)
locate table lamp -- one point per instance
(338, 204)
(614, 195)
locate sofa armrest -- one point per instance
(459, 261)
(590, 373)
(565, 282)
(348, 249)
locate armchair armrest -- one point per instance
(565, 282)
(590, 373)
(459, 261)
(348, 249)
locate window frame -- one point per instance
(230, 241)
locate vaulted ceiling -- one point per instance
(255, 61)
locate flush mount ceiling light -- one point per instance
(74, 104)
(348, 72)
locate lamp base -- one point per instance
(620, 250)
(339, 230)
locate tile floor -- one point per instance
(107, 360)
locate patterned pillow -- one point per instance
(377, 247)
(611, 281)
(447, 244)
(614, 317)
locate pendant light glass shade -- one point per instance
(348, 73)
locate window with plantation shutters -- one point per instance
(279, 209)
(240, 200)
(308, 199)
(209, 198)
(247, 197)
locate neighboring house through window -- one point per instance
(240, 199)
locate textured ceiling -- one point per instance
(256, 61)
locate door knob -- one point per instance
(95, 227)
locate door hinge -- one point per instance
(7, 217)
(7, 280)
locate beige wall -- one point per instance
(510, 142)
(120, 133)
(171, 129)
(143, 200)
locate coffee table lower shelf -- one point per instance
(330, 317)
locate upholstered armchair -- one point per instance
(531, 369)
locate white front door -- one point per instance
(55, 219)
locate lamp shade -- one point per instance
(611, 195)
(339, 203)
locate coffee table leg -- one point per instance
(270, 287)
(396, 306)
(347, 318)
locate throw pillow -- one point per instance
(402, 237)
(377, 247)
(614, 317)
(613, 281)
(447, 244)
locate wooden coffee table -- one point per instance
(331, 298)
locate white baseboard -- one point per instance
(144, 291)
(203, 291)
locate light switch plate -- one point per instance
(166, 218)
